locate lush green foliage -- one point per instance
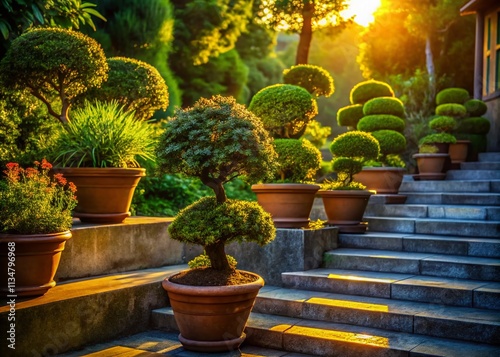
(54, 62)
(384, 105)
(135, 85)
(203, 261)
(285, 109)
(298, 160)
(452, 95)
(474, 125)
(33, 202)
(391, 142)
(442, 138)
(316, 80)
(102, 134)
(476, 107)
(207, 222)
(428, 149)
(350, 115)
(364, 91)
(451, 110)
(376, 122)
(316, 133)
(443, 124)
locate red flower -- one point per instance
(60, 179)
(46, 165)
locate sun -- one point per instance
(362, 10)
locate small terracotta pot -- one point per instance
(36, 258)
(384, 180)
(458, 151)
(212, 318)
(431, 166)
(289, 204)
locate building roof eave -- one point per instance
(475, 6)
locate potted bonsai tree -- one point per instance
(35, 222)
(216, 140)
(344, 199)
(285, 111)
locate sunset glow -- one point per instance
(362, 10)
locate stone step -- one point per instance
(489, 156)
(473, 175)
(441, 186)
(419, 243)
(326, 338)
(436, 198)
(450, 266)
(439, 290)
(479, 213)
(86, 311)
(480, 165)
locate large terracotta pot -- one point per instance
(104, 194)
(36, 259)
(384, 180)
(212, 318)
(345, 209)
(431, 166)
(458, 151)
(289, 204)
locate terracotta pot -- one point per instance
(289, 204)
(442, 147)
(104, 194)
(384, 180)
(345, 208)
(212, 318)
(36, 258)
(431, 166)
(458, 151)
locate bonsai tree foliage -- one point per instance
(135, 85)
(350, 115)
(285, 109)
(364, 91)
(314, 79)
(350, 150)
(218, 140)
(54, 63)
(298, 160)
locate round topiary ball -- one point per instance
(390, 141)
(314, 79)
(298, 160)
(474, 125)
(452, 95)
(364, 91)
(384, 105)
(437, 138)
(350, 115)
(372, 123)
(443, 124)
(355, 144)
(476, 107)
(285, 109)
(451, 110)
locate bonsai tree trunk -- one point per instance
(217, 256)
(305, 34)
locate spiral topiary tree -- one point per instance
(218, 140)
(54, 63)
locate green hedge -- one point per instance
(364, 91)
(384, 105)
(451, 110)
(476, 107)
(474, 125)
(452, 95)
(314, 79)
(372, 123)
(298, 160)
(444, 124)
(350, 115)
(390, 141)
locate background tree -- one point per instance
(304, 17)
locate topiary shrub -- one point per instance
(451, 110)
(476, 107)
(285, 109)
(350, 150)
(452, 95)
(314, 79)
(474, 125)
(384, 105)
(371, 123)
(218, 140)
(438, 138)
(443, 124)
(54, 63)
(390, 141)
(298, 160)
(364, 91)
(135, 85)
(350, 115)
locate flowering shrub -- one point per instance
(33, 202)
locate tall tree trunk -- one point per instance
(429, 62)
(305, 33)
(217, 256)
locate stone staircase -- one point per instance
(423, 281)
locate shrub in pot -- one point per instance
(345, 199)
(35, 222)
(216, 140)
(474, 127)
(431, 163)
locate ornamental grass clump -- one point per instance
(34, 202)
(218, 140)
